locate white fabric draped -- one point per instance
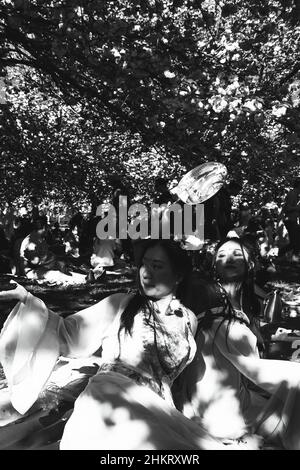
(33, 337)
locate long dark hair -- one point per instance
(250, 304)
(181, 264)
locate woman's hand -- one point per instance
(18, 293)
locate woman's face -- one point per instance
(157, 276)
(230, 261)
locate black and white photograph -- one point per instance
(149, 227)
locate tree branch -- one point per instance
(12, 62)
(290, 75)
(60, 77)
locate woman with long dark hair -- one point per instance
(215, 389)
(140, 342)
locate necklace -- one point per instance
(173, 307)
(162, 306)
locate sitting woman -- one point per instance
(38, 261)
(228, 387)
(104, 256)
(140, 343)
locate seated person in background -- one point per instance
(266, 242)
(39, 262)
(71, 243)
(5, 253)
(224, 197)
(86, 236)
(55, 240)
(270, 232)
(35, 253)
(244, 217)
(291, 211)
(214, 389)
(22, 226)
(256, 234)
(76, 221)
(105, 254)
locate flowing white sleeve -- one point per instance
(29, 348)
(237, 343)
(33, 337)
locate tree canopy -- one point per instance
(149, 87)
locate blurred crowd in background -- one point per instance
(35, 238)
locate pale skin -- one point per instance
(230, 267)
(19, 293)
(157, 277)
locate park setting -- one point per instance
(149, 225)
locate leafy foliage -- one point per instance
(147, 87)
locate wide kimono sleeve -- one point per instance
(33, 337)
(237, 343)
